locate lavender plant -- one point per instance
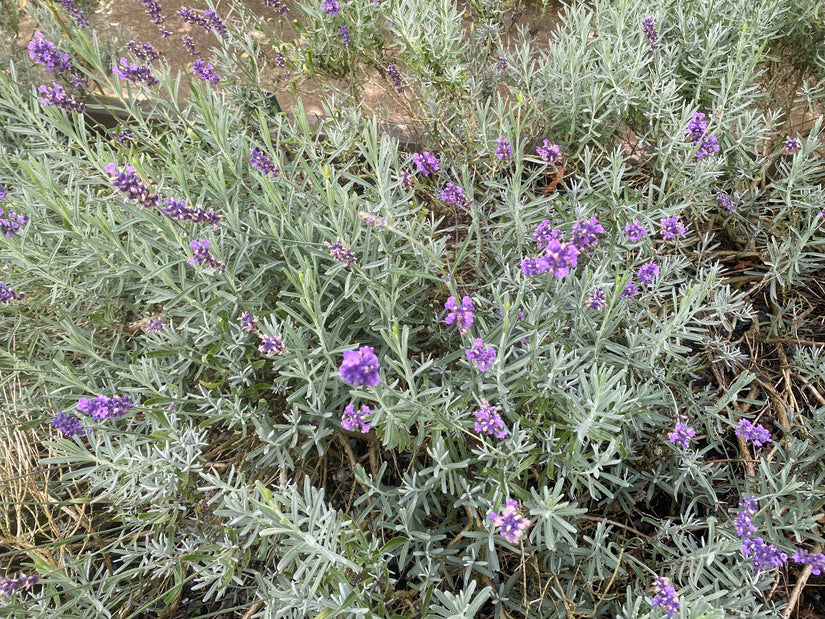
(529, 366)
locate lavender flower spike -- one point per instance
(355, 421)
(758, 434)
(360, 367)
(202, 256)
(510, 523)
(44, 52)
(666, 596)
(461, 315)
(681, 434)
(480, 355)
(489, 420)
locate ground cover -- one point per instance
(552, 349)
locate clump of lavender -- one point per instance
(202, 256)
(177, 209)
(135, 73)
(75, 13)
(262, 163)
(762, 554)
(816, 561)
(480, 355)
(666, 596)
(360, 367)
(145, 52)
(672, 227)
(154, 325)
(629, 291)
(489, 421)
(57, 97)
(271, 345)
(7, 294)
(585, 235)
(373, 220)
(697, 133)
(647, 272)
(597, 299)
(461, 315)
(503, 151)
(544, 233)
(9, 586)
(189, 16)
(129, 183)
(105, 407)
(501, 63)
(649, 28)
(205, 71)
(681, 434)
(758, 434)
(340, 252)
(44, 52)
(453, 194)
(635, 231)
(723, 200)
(510, 523)
(279, 7)
(216, 24)
(744, 519)
(792, 145)
(426, 162)
(355, 421)
(559, 257)
(189, 44)
(11, 223)
(344, 32)
(153, 10)
(248, 322)
(395, 77)
(548, 152)
(331, 7)
(67, 425)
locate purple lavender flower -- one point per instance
(3, 193)
(501, 64)
(248, 322)
(480, 355)
(629, 291)
(7, 294)
(647, 272)
(129, 182)
(649, 28)
(355, 421)
(205, 71)
(635, 231)
(57, 96)
(135, 73)
(756, 433)
(510, 523)
(340, 252)
(152, 8)
(762, 554)
(405, 180)
(549, 152)
(154, 325)
(666, 596)
(76, 80)
(75, 13)
(177, 209)
(145, 52)
(709, 146)
(121, 136)
(544, 233)
(189, 44)
(9, 586)
(271, 345)
(360, 367)
(426, 162)
(792, 145)
(681, 434)
(489, 420)
(723, 200)
(216, 24)
(331, 7)
(344, 32)
(585, 235)
(279, 59)
(44, 52)
(280, 7)
(104, 407)
(744, 519)
(10, 224)
(816, 561)
(262, 163)
(534, 266)
(67, 425)
(191, 17)
(503, 151)
(597, 299)
(395, 77)
(373, 220)
(671, 227)
(561, 257)
(202, 256)
(461, 315)
(697, 126)
(453, 194)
